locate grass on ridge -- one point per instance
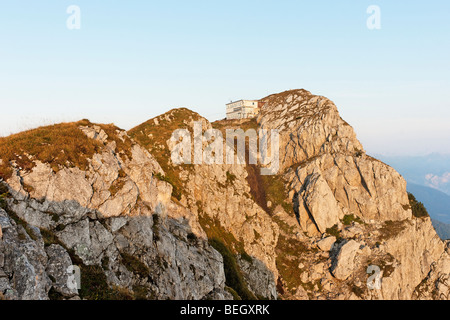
(60, 145)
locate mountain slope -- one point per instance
(442, 229)
(140, 226)
(430, 170)
(112, 217)
(436, 202)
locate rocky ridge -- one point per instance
(141, 227)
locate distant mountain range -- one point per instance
(438, 206)
(432, 170)
(442, 229)
(428, 179)
(436, 202)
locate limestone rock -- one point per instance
(327, 243)
(58, 270)
(319, 203)
(24, 262)
(309, 125)
(260, 280)
(146, 229)
(344, 263)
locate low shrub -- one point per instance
(334, 231)
(349, 218)
(418, 209)
(134, 265)
(233, 275)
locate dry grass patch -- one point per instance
(214, 230)
(60, 145)
(244, 124)
(290, 252)
(391, 229)
(153, 135)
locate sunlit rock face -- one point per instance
(146, 228)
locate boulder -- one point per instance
(320, 203)
(58, 270)
(344, 263)
(327, 243)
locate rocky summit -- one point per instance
(333, 223)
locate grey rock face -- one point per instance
(118, 221)
(149, 252)
(260, 279)
(58, 270)
(22, 268)
(117, 217)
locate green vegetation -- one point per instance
(227, 245)
(49, 237)
(386, 264)
(349, 218)
(176, 193)
(214, 230)
(233, 293)
(245, 125)
(105, 262)
(153, 137)
(93, 283)
(311, 286)
(27, 187)
(334, 231)
(155, 227)
(268, 188)
(123, 143)
(357, 291)
(245, 256)
(60, 145)
(94, 286)
(140, 293)
(275, 189)
(263, 188)
(233, 274)
(134, 265)
(418, 209)
(358, 153)
(387, 269)
(3, 196)
(290, 252)
(53, 294)
(230, 178)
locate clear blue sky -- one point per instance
(132, 60)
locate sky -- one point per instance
(132, 60)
